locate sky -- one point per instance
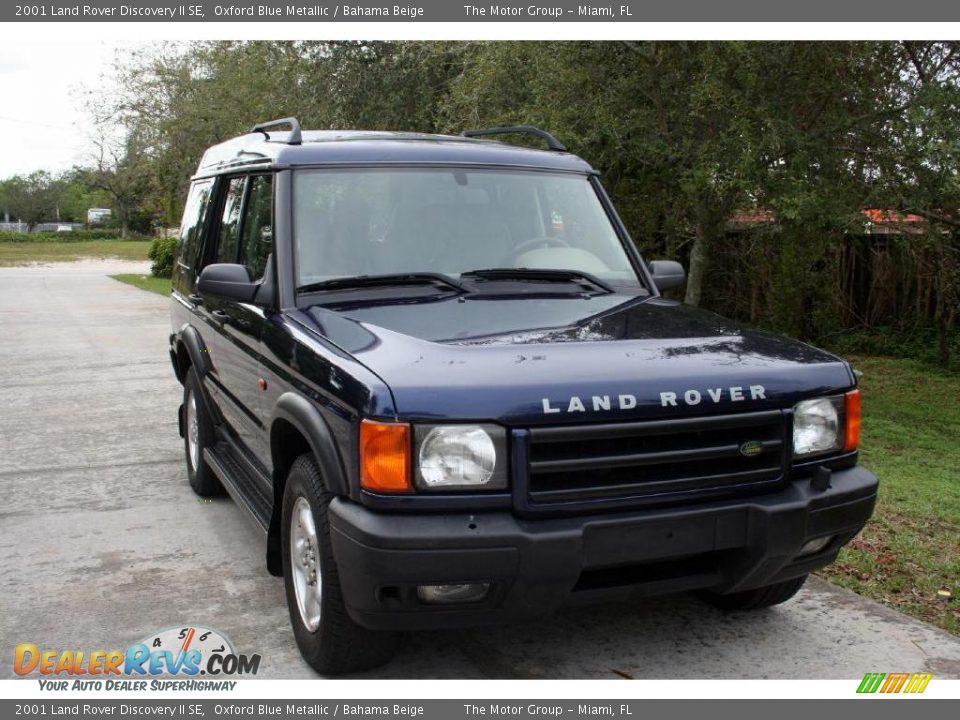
(43, 90)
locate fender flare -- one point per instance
(189, 338)
(196, 349)
(303, 415)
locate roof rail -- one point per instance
(296, 138)
(552, 142)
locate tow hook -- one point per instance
(821, 478)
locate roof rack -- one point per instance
(552, 142)
(296, 138)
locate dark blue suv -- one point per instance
(437, 374)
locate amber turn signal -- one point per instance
(385, 457)
(852, 412)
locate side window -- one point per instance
(230, 221)
(192, 225)
(256, 242)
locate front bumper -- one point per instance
(535, 566)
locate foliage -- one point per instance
(79, 235)
(119, 173)
(41, 197)
(754, 123)
(29, 198)
(161, 252)
(920, 344)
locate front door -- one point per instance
(235, 327)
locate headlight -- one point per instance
(818, 426)
(457, 457)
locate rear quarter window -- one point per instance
(194, 214)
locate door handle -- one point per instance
(195, 299)
(220, 314)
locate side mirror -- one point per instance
(667, 274)
(228, 281)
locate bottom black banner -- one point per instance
(785, 709)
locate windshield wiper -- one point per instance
(392, 280)
(537, 275)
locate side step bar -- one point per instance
(243, 488)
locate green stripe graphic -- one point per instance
(871, 682)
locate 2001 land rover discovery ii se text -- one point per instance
(437, 374)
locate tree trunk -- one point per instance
(124, 220)
(699, 259)
(948, 295)
(943, 351)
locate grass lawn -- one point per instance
(161, 286)
(911, 440)
(23, 253)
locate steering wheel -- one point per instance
(544, 240)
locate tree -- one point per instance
(177, 100)
(918, 170)
(119, 174)
(30, 198)
(75, 196)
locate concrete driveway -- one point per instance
(102, 542)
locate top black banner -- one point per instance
(457, 11)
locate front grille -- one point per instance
(655, 459)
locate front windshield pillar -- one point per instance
(283, 246)
(636, 259)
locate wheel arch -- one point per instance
(191, 352)
(297, 427)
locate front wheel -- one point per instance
(328, 639)
(761, 597)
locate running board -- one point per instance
(243, 488)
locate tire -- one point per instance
(758, 598)
(329, 640)
(198, 435)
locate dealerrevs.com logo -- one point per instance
(189, 651)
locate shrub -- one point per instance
(102, 234)
(916, 343)
(161, 252)
(84, 235)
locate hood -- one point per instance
(526, 361)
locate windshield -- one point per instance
(363, 222)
